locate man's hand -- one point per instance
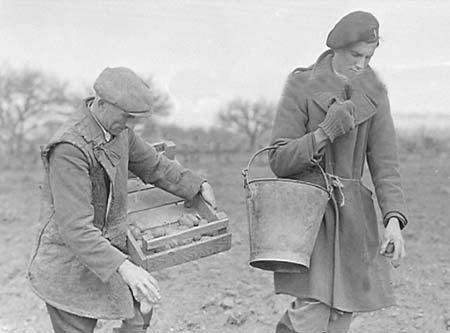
(208, 194)
(144, 286)
(393, 237)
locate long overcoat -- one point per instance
(82, 234)
(346, 271)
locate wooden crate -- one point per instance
(151, 208)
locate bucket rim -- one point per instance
(287, 180)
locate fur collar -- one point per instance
(367, 92)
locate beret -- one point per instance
(355, 27)
(122, 87)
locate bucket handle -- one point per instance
(245, 172)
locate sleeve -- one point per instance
(382, 158)
(296, 148)
(74, 213)
(154, 168)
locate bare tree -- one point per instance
(161, 107)
(161, 100)
(28, 101)
(252, 119)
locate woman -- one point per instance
(336, 113)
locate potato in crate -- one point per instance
(164, 232)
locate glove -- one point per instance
(339, 119)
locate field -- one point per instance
(221, 294)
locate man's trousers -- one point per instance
(66, 322)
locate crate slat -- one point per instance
(147, 219)
(212, 227)
(137, 256)
(189, 252)
(149, 198)
(135, 184)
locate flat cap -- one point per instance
(355, 27)
(121, 87)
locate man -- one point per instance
(336, 113)
(79, 266)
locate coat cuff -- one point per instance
(331, 129)
(403, 220)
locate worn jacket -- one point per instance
(81, 240)
(346, 271)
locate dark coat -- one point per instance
(82, 239)
(347, 272)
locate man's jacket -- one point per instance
(81, 240)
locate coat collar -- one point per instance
(325, 86)
(89, 129)
(107, 153)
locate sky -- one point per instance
(204, 53)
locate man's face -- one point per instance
(353, 60)
(114, 119)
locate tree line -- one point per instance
(34, 104)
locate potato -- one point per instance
(158, 231)
(189, 220)
(173, 229)
(184, 241)
(197, 220)
(135, 231)
(182, 227)
(203, 222)
(172, 243)
(196, 238)
(184, 220)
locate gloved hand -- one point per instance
(339, 119)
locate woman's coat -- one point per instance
(346, 271)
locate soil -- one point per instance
(221, 293)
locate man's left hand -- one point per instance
(393, 235)
(207, 193)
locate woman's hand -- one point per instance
(339, 119)
(393, 238)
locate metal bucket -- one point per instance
(284, 218)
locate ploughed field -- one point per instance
(221, 293)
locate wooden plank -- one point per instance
(150, 198)
(135, 251)
(167, 148)
(189, 252)
(148, 242)
(135, 184)
(163, 215)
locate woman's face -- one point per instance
(354, 59)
